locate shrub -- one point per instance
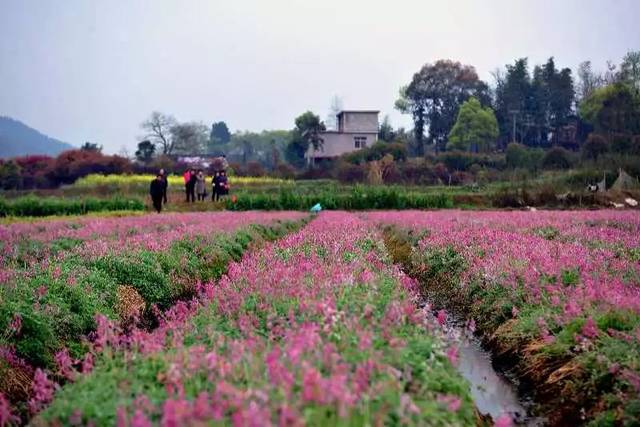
(255, 169)
(376, 152)
(285, 171)
(10, 175)
(37, 206)
(418, 172)
(557, 158)
(348, 172)
(516, 156)
(595, 147)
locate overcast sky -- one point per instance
(81, 70)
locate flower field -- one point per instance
(269, 318)
(557, 294)
(57, 275)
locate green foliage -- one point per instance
(376, 152)
(434, 96)
(10, 175)
(520, 156)
(557, 158)
(612, 108)
(595, 146)
(305, 134)
(37, 206)
(476, 128)
(219, 134)
(358, 198)
(544, 99)
(386, 132)
(145, 151)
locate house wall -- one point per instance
(338, 143)
(358, 122)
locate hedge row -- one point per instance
(359, 198)
(39, 206)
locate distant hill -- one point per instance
(18, 139)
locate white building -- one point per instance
(355, 130)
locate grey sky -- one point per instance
(83, 70)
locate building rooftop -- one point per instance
(357, 111)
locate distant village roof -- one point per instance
(357, 111)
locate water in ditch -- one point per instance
(492, 392)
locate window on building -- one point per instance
(360, 141)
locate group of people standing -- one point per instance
(195, 183)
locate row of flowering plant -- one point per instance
(318, 328)
(560, 291)
(126, 269)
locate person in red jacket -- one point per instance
(187, 177)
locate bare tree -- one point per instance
(588, 80)
(158, 130)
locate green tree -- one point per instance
(612, 109)
(219, 134)
(476, 128)
(386, 132)
(145, 151)
(307, 133)
(536, 105)
(10, 175)
(516, 155)
(434, 96)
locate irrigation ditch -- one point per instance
(498, 381)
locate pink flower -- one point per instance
(6, 416)
(442, 317)
(121, 417)
(590, 329)
(87, 363)
(453, 402)
(312, 386)
(452, 355)
(503, 420)
(42, 391)
(65, 364)
(140, 419)
(365, 341)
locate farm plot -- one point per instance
(556, 295)
(56, 276)
(317, 328)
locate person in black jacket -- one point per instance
(157, 190)
(223, 183)
(215, 187)
(165, 180)
(191, 186)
